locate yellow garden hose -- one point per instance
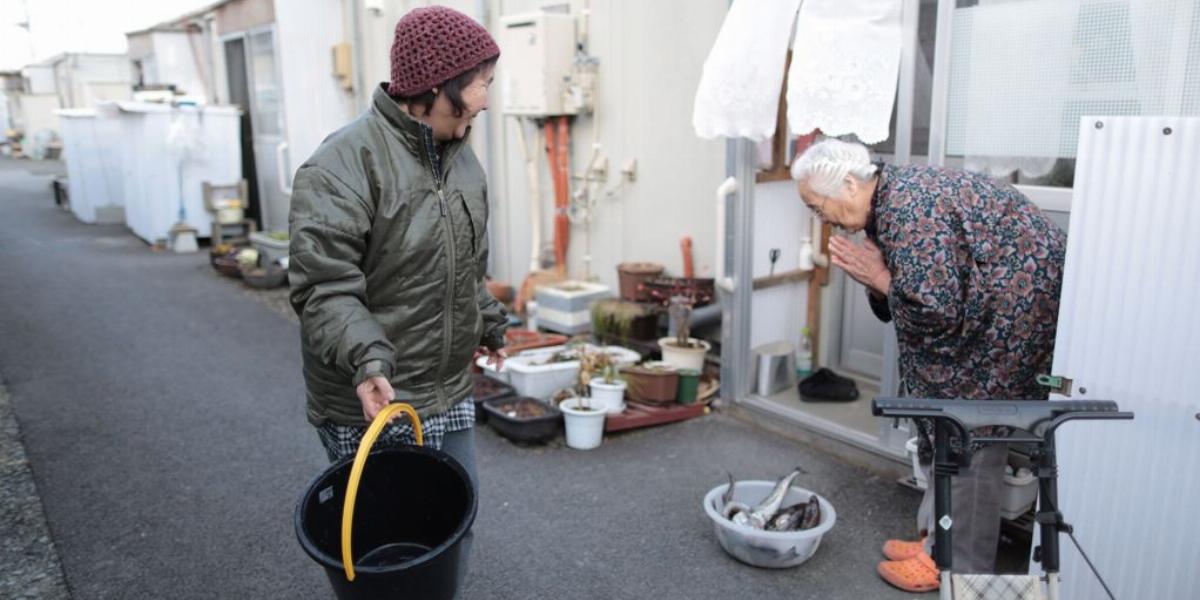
(360, 461)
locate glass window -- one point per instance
(266, 97)
(922, 90)
(1023, 72)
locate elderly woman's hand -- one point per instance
(862, 263)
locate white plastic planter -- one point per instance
(269, 248)
(609, 395)
(760, 548)
(684, 358)
(529, 374)
(566, 307)
(585, 428)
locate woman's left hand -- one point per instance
(495, 357)
(862, 263)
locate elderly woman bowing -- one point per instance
(970, 272)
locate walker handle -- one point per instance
(360, 461)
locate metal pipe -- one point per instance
(909, 25)
(727, 187)
(1048, 503)
(941, 83)
(481, 9)
(943, 538)
(737, 238)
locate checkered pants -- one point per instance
(341, 441)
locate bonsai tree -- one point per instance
(681, 312)
(679, 299)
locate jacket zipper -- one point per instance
(452, 267)
(447, 311)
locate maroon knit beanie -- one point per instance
(433, 45)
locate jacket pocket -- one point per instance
(475, 203)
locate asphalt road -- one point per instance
(161, 408)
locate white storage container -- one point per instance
(153, 168)
(530, 375)
(93, 168)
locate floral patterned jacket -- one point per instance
(976, 274)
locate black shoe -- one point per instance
(827, 386)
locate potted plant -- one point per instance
(486, 388)
(615, 320)
(608, 390)
(585, 422)
(632, 277)
(683, 351)
(652, 382)
(584, 416)
(521, 419)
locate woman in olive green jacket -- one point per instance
(389, 247)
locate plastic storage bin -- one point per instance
(531, 375)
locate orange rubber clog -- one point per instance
(917, 574)
(902, 549)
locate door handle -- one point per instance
(281, 169)
(723, 281)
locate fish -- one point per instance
(812, 513)
(764, 515)
(729, 508)
(760, 515)
(788, 519)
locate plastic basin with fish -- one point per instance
(769, 549)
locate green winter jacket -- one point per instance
(387, 258)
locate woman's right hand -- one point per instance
(375, 394)
(862, 263)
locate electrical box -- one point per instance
(539, 57)
(343, 66)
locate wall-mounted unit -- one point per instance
(539, 55)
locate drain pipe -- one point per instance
(362, 95)
(485, 18)
(701, 316)
(819, 258)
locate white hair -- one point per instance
(826, 164)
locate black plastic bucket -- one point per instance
(413, 508)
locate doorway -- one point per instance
(253, 76)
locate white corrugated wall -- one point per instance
(1129, 331)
